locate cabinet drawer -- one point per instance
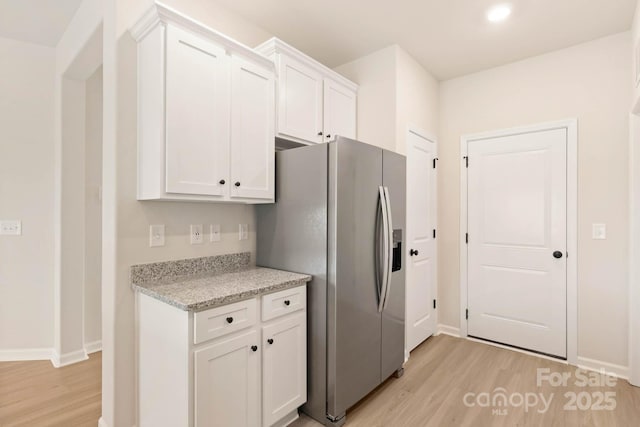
(283, 302)
(224, 320)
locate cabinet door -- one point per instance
(284, 375)
(227, 383)
(252, 130)
(339, 110)
(197, 115)
(300, 100)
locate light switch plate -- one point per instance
(243, 231)
(196, 234)
(599, 232)
(214, 233)
(11, 228)
(156, 235)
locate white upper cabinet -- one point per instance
(339, 110)
(252, 130)
(299, 100)
(206, 113)
(197, 99)
(314, 102)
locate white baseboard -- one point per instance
(608, 368)
(448, 330)
(93, 347)
(26, 354)
(102, 422)
(60, 360)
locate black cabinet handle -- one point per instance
(319, 133)
(287, 302)
(328, 135)
(270, 340)
(237, 184)
(557, 254)
(254, 348)
(413, 252)
(229, 319)
(223, 182)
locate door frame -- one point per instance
(434, 286)
(571, 125)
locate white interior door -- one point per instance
(421, 234)
(517, 224)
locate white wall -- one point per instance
(130, 225)
(92, 315)
(417, 102)
(590, 82)
(376, 76)
(26, 193)
(395, 91)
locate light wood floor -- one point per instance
(438, 375)
(443, 369)
(36, 394)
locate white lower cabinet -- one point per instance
(284, 367)
(222, 367)
(227, 382)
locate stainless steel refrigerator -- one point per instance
(340, 216)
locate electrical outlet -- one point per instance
(243, 231)
(214, 233)
(156, 235)
(196, 234)
(599, 232)
(11, 228)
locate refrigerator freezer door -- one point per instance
(393, 318)
(292, 235)
(353, 322)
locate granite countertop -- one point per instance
(202, 283)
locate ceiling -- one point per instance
(36, 21)
(449, 38)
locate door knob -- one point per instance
(413, 252)
(557, 254)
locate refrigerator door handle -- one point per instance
(389, 252)
(385, 250)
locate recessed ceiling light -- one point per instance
(499, 13)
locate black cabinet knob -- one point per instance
(413, 252)
(328, 135)
(229, 319)
(254, 348)
(319, 133)
(287, 302)
(237, 184)
(223, 182)
(270, 340)
(557, 254)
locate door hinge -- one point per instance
(466, 314)
(466, 238)
(434, 233)
(434, 304)
(435, 159)
(466, 161)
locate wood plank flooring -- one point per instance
(36, 394)
(444, 369)
(437, 377)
